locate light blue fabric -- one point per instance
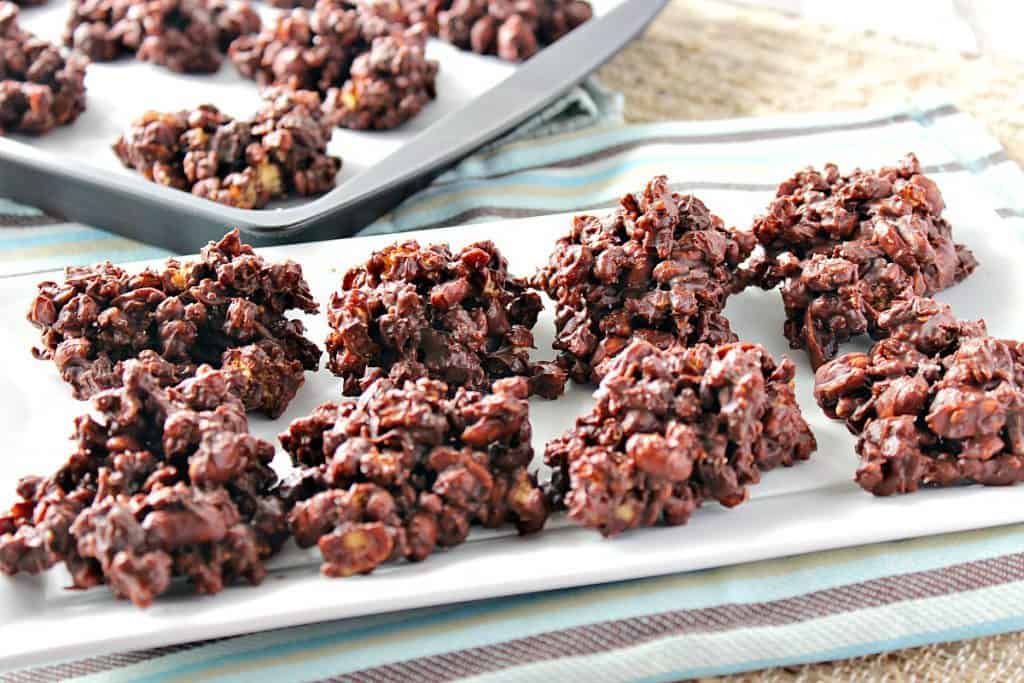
(297, 654)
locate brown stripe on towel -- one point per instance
(623, 633)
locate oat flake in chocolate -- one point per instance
(673, 428)
(406, 468)
(659, 268)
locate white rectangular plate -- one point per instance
(813, 506)
(120, 91)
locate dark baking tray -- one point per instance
(136, 208)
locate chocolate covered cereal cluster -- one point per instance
(291, 4)
(659, 269)
(388, 85)
(416, 311)
(511, 29)
(242, 163)
(369, 65)
(303, 50)
(936, 402)
(845, 247)
(188, 36)
(40, 88)
(672, 428)
(163, 482)
(226, 309)
(514, 30)
(409, 467)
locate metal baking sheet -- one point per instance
(72, 172)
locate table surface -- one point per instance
(709, 59)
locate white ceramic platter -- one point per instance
(810, 507)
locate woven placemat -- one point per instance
(710, 59)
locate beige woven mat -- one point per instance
(711, 59)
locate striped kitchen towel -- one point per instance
(731, 164)
(822, 606)
(818, 607)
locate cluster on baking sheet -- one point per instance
(365, 60)
(429, 433)
(244, 163)
(40, 88)
(320, 64)
(511, 30)
(187, 36)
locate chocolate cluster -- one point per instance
(416, 311)
(243, 163)
(659, 269)
(162, 483)
(511, 29)
(187, 36)
(300, 50)
(514, 30)
(409, 467)
(40, 88)
(226, 309)
(673, 428)
(936, 402)
(387, 85)
(845, 247)
(369, 65)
